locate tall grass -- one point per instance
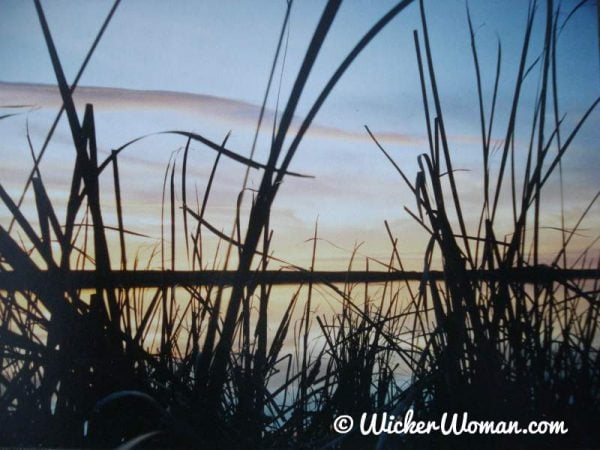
(501, 349)
(197, 366)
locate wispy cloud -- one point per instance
(222, 109)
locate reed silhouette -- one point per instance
(94, 356)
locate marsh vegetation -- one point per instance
(97, 350)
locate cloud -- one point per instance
(217, 108)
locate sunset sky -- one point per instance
(203, 66)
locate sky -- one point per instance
(203, 66)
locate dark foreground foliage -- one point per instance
(194, 366)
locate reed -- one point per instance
(511, 343)
(93, 356)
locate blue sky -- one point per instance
(221, 52)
